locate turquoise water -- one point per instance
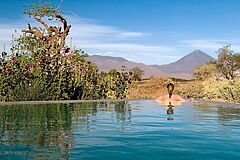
(121, 130)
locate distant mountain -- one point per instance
(186, 64)
(106, 63)
(182, 68)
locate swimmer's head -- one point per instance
(170, 88)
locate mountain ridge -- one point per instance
(182, 68)
(187, 63)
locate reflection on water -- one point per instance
(225, 114)
(170, 111)
(36, 126)
(45, 131)
(58, 131)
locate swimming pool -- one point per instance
(122, 130)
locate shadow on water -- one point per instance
(46, 131)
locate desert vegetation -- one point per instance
(216, 80)
(153, 87)
(137, 73)
(41, 66)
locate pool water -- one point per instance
(127, 130)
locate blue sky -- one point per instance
(146, 31)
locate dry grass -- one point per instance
(154, 87)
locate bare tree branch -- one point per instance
(40, 21)
(28, 31)
(62, 20)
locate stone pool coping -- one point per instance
(100, 100)
(66, 101)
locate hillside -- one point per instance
(182, 68)
(106, 63)
(186, 64)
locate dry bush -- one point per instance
(153, 87)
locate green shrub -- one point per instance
(42, 67)
(191, 90)
(213, 89)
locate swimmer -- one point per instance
(174, 99)
(170, 88)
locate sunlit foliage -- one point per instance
(42, 67)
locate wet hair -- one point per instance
(170, 88)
